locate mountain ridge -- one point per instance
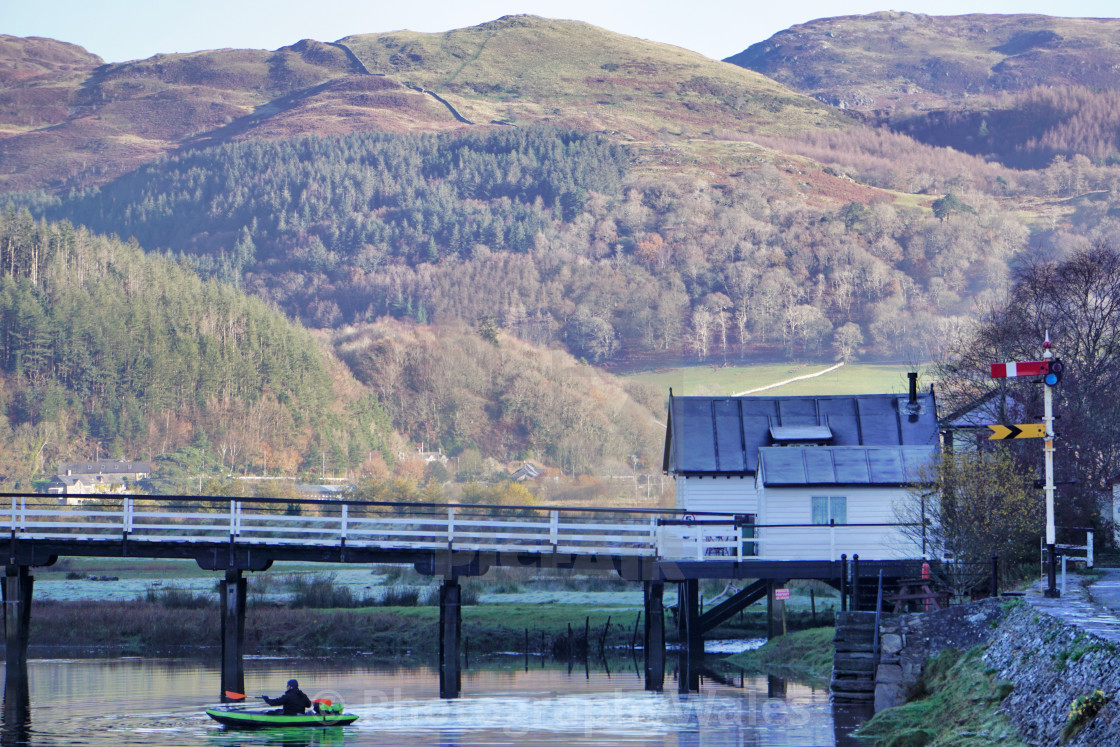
(1018, 89)
(123, 114)
(902, 58)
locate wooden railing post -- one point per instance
(126, 520)
(855, 583)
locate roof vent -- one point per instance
(787, 434)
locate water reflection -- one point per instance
(286, 737)
(17, 707)
(161, 702)
(845, 720)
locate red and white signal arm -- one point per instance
(1022, 368)
(782, 593)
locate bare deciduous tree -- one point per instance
(1076, 302)
(847, 340)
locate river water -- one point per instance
(143, 701)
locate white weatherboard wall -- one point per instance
(723, 495)
(865, 506)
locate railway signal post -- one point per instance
(1050, 368)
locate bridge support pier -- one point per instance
(691, 638)
(655, 635)
(18, 585)
(233, 592)
(16, 726)
(17, 588)
(450, 634)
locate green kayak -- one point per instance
(266, 720)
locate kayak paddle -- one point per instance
(235, 696)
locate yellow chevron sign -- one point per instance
(1022, 430)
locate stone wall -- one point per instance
(906, 641)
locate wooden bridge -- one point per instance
(238, 535)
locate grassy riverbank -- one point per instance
(161, 607)
(391, 632)
(130, 606)
(152, 627)
(805, 656)
(956, 702)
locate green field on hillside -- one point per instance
(858, 378)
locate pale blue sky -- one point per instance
(119, 30)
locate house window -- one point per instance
(750, 549)
(830, 508)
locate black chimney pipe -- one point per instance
(913, 376)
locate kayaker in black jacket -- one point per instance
(294, 700)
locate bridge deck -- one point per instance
(250, 534)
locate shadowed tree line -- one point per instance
(101, 344)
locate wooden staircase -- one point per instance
(854, 660)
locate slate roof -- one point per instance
(994, 406)
(723, 435)
(104, 467)
(846, 465)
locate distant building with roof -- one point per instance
(101, 476)
(817, 475)
(527, 471)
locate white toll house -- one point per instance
(808, 477)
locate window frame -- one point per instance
(833, 507)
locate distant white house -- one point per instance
(818, 475)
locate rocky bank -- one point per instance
(1051, 663)
(1062, 658)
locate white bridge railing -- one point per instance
(655, 534)
(331, 523)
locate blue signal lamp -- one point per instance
(1054, 373)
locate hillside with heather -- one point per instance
(1020, 89)
(581, 195)
(69, 121)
